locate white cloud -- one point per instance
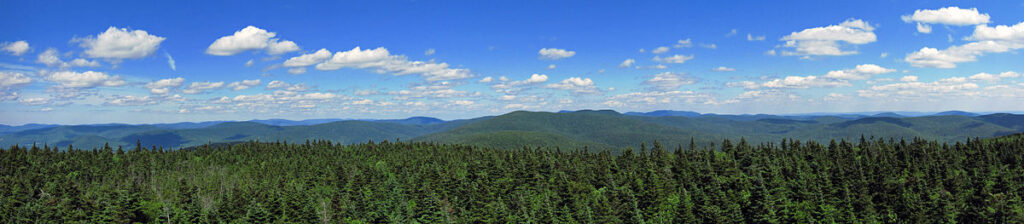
(1013, 33)
(515, 86)
(732, 32)
(88, 79)
(987, 40)
(430, 90)
(244, 84)
(12, 79)
(669, 81)
(555, 53)
(296, 71)
(130, 100)
(792, 82)
(10, 83)
(949, 87)
(924, 28)
(709, 46)
(249, 63)
(770, 52)
(861, 72)
(116, 44)
(576, 85)
(50, 58)
(681, 44)
(674, 59)
(660, 50)
(909, 78)
(164, 86)
(383, 62)
(35, 101)
(986, 77)
(81, 62)
(551, 66)
(429, 52)
(486, 79)
(202, 87)
(954, 16)
(250, 38)
(828, 40)
(170, 61)
(834, 97)
(751, 37)
(276, 84)
(800, 82)
(723, 69)
(463, 102)
(281, 47)
(627, 63)
(883, 55)
(658, 98)
(16, 48)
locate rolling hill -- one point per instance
(595, 129)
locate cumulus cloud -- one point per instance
(81, 80)
(129, 100)
(660, 50)
(723, 69)
(986, 39)
(576, 85)
(555, 53)
(120, 43)
(954, 16)
(244, 84)
(81, 62)
(909, 78)
(12, 79)
(429, 52)
(861, 72)
(828, 40)
(50, 58)
(35, 101)
(669, 81)
(682, 44)
(515, 86)
(486, 79)
(659, 98)
(164, 86)
(986, 77)
(551, 66)
(277, 84)
(250, 38)
(442, 90)
(202, 87)
(954, 86)
(382, 61)
(16, 48)
(835, 78)
(627, 63)
(792, 82)
(674, 59)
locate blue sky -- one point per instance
(100, 62)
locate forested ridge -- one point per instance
(870, 180)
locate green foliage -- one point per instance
(874, 180)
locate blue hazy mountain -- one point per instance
(567, 129)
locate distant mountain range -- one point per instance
(593, 129)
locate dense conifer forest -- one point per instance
(870, 180)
